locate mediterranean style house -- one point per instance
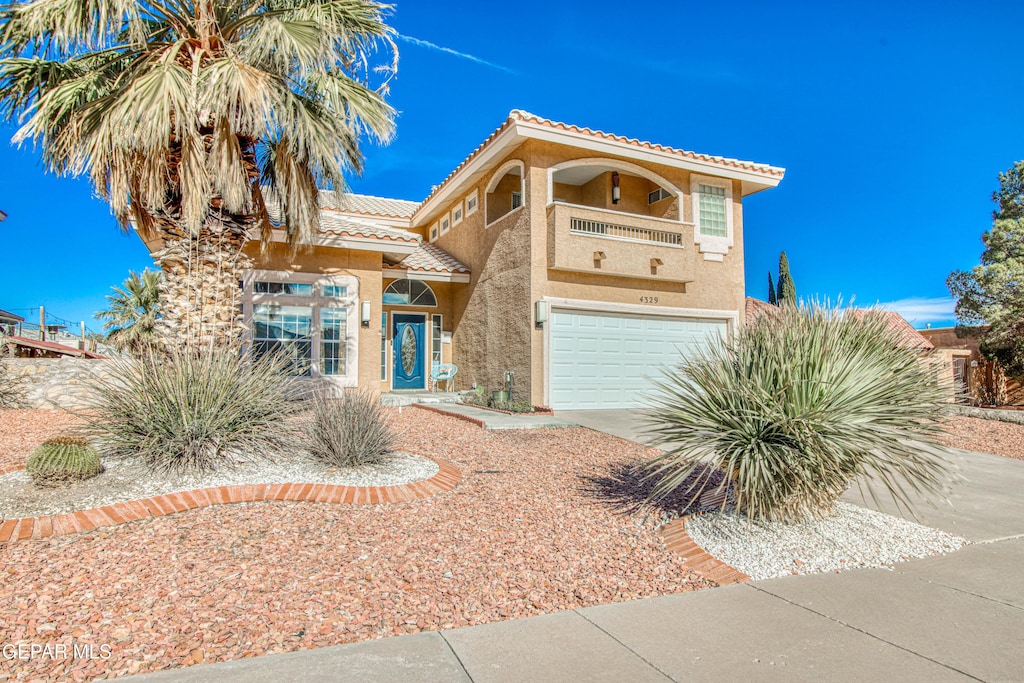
(582, 262)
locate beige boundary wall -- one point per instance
(55, 382)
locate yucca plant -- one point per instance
(796, 406)
(63, 459)
(182, 411)
(349, 430)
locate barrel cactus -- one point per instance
(63, 459)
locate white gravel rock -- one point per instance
(854, 537)
(124, 480)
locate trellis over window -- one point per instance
(409, 293)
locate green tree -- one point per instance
(787, 290)
(992, 293)
(1010, 195)
(130, 320)
(772, 299)
(191, 117)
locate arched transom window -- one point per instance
(409, 293)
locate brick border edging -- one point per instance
(678, 540)
(35, 528)
(441, 411)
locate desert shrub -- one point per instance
(796, 406)
(513, 406)
(12, 388)
(63, 459)
(179, 410)
(349, 430)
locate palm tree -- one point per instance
(189, 116)
(131, 320)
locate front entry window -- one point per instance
(308, 317)
(409, 293)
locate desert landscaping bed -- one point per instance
(985, 436)
(521, 535)
(541, 522)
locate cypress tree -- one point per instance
(787, 290)
(772, 299)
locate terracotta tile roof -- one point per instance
(333, 222)
(896, 323)
(368, 205)
(754, 307)
(62, 349)
(911, 337)
(431, 259)
(526, 117)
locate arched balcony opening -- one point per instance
(614, 186)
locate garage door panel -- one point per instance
(606, 360)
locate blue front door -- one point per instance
(408, 353)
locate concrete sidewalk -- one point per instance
(944, 618)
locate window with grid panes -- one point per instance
(712, 211)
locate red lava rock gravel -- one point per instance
(22, 430)
(985, 436)
(523, 534)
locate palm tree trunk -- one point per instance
(200, 293)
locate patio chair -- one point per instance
(443, 372)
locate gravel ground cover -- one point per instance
(985, 436)
(853, 538)
(537, 525)
(23, 430)
(124, 480)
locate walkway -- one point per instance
(492, 419)
(956, 617)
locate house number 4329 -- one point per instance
(648, 299)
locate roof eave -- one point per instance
(518, 131)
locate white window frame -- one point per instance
(434, 233)
(445, 222)
(473, 197)
(458, 214)
(315, 302)
(713, 247)
(439, 351)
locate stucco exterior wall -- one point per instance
(491, 318)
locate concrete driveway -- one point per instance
(625, 424)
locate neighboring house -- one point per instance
(980, 379)
(23, 347)
(582, 262)
(9, 322)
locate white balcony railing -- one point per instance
(582, 226)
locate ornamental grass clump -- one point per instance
(181, 410)
(796, 406)
(63, 460)
(349, 430)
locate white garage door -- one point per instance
(606, 360)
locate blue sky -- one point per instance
(892, 120)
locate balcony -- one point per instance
(601, 242)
